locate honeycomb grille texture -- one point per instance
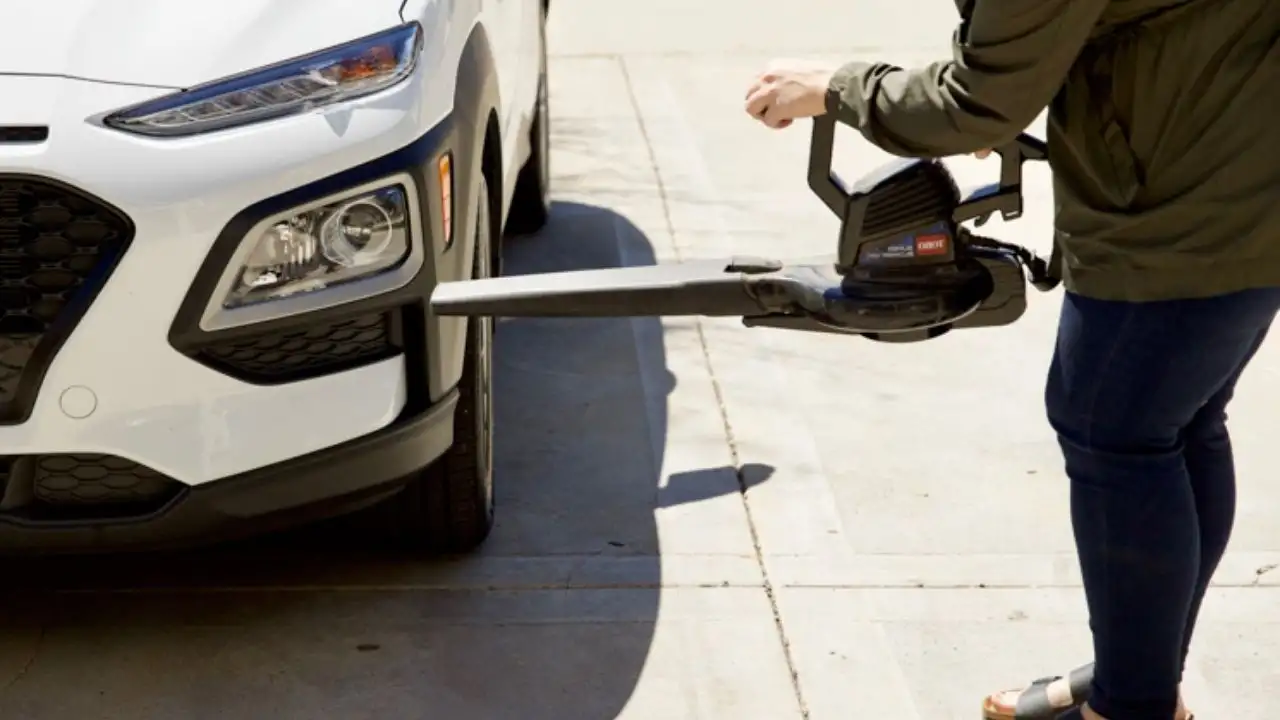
(306, 352)
(53, 243)
(96, 480)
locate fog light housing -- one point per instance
(350, 239)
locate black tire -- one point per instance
(448, 507)
(531, 202)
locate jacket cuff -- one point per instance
(846, 84)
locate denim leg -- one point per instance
(1126, 382)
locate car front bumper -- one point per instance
(316, 486)
(133, 380)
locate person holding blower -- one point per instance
(1162, 140)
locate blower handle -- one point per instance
(828, 186)
(1004, 197)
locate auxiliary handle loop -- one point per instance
(822, 180)
(1004, 197)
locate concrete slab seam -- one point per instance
(719, 394)
(31, 661)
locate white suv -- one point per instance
(220, 224)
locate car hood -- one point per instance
(176, 43)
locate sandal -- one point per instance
(1049, 698)
(1076, 713)
(1043, 699)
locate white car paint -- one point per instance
(62, 61)
(176, 44)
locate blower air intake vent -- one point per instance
(923, 195)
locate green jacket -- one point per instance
(1164, 131)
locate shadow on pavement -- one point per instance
(692, 487)
(552, 620)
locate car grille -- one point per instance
(57, 246)
(308, 351)
(69, 486)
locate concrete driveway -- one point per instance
(696, 520)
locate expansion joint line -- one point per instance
(719, 394)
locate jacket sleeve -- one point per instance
(1010, 58)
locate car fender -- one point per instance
(476, 100)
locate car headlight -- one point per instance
(339, 74)
(358, 236)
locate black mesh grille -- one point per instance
(83, 485)
(924, 194)
(308, 351)
(57, 246)
(95, 480)
(23, 134)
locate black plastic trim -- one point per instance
(22, 483)
(18, 410)
(391, 345)
(415, 159)
(316, 486)
(23, 134)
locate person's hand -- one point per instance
(982, 154)
(788, 90)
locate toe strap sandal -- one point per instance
(1049, 698)
(1044, 699)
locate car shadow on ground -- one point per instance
(552, 619)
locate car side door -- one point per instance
(532, 37)
(505, 22)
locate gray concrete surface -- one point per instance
(696, 520)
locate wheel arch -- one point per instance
(478, 149)
(476, 104)
(491, 166)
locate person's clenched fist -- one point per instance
(789, 89)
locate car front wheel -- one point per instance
(448, 507)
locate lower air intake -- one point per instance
(80, 485)
(57, 247)
(308, 351)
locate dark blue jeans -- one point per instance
(1137, 393)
